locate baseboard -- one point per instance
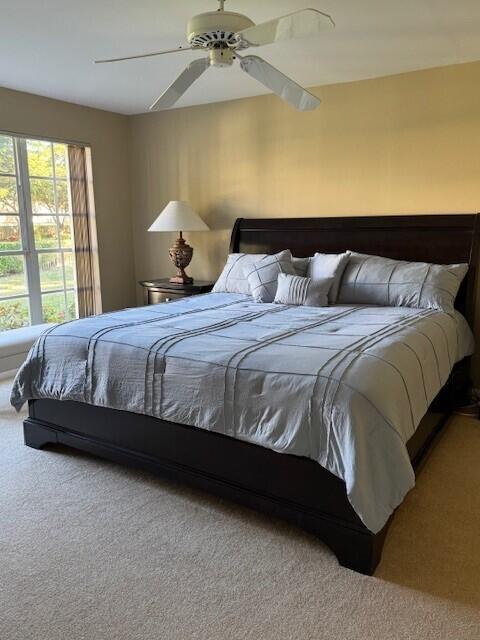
(11, 373)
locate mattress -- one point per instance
(345, 386)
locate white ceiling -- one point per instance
(47, 46)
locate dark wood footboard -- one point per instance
(290, 487)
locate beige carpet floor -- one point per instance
(93, 551)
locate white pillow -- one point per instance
(302, 291)
(329, 265)
(263, 275)
(233, 278)
(397, 283)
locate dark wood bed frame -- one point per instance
(290, 487)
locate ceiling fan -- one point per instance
(223, 34)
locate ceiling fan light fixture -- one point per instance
(221, 57)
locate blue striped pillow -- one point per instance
(263, 275)
(296, 290)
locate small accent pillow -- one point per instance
(233, 278)
(395, 283)
(329, 265)
(301, 266)
(263, 275)
(302, 291)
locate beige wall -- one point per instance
(401, 144)
(108, 135)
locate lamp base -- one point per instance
(181, 255)
(179, 279)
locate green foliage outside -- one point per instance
(15, 313)
(54, 308)
(40, 165)
(9, 264)
(49, 197)
(8, 187)
(7, 159)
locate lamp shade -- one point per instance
(177, 216)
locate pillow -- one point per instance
(301, 266)
(305, 291)
(263, 275)
(329, 265)
(395, 283)
(233, 278)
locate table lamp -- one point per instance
(178, 216)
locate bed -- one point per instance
(226, 394)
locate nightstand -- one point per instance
(162, 290)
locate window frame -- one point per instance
(31, 254)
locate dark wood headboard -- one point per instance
(441, 239)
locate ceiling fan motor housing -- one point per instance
(217, 29)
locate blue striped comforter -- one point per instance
(343, 385)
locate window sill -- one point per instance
(15, 345)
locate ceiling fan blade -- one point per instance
(181, 84)
(294, 25)
(279, 83)
(144, 55)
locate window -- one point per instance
(37, 259)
